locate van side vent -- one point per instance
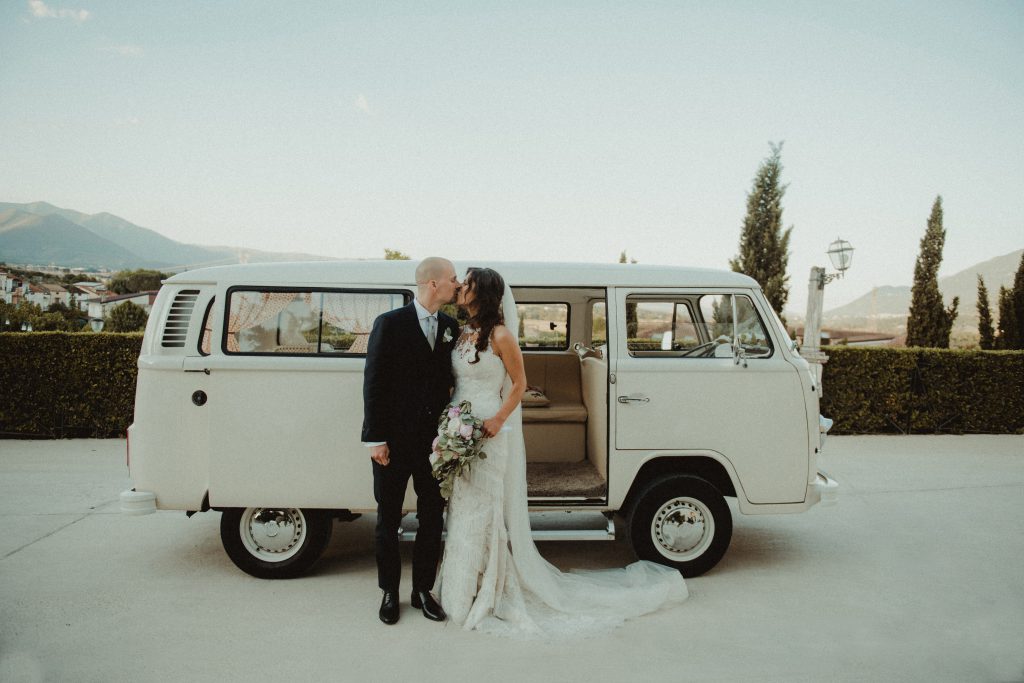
(176, 325)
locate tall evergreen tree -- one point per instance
(986, 333)
(930, 323)
(1006, 337)
(764, 245)
(1018, 304)
(631, 320)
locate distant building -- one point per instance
(84, 291)
(100, 306)
(8, 284)
(851, 338)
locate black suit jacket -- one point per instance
(406, 384)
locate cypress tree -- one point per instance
(929, 323)
(986, 334)
(1018, 305)
(1007, 327)
(764, 245)
(631, 320)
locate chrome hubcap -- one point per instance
(272, 534)
(682, 529)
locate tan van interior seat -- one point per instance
(556, 432)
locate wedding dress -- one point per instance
(492, 577)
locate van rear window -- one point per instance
(304, 321)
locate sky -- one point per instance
(544, 131)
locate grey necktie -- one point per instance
(431, 329)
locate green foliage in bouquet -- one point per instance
(459, 442)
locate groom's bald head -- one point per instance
(434, 268)
(436, 282)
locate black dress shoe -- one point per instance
(389, 607)
(425, 601)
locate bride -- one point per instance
(492, 577)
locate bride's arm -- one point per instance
(506, 346)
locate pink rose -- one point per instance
(454, 412)
(466, 431)
(433, 446)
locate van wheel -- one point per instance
(681, 521)
(274, 543)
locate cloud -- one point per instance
(40, 10)
(361, 103)
(124, 50)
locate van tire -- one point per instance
(275, 543)
(680, 497)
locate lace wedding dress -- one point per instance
(492, 577)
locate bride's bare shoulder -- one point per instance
(502, 337)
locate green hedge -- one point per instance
(60, 384)
(924, 391)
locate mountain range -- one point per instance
(40, 233)
(886, 308)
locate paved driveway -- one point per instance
(915, 575)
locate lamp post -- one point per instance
(840, 253)
(96, 324)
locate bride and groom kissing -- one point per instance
(491, 576)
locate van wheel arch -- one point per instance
(704, 467)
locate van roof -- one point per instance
(518, 274)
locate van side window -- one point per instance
(304, 322)
(543, 325)
(207, 329)
(716, 310)
(598, 323)
(659, 328)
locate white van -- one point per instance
(657, 392)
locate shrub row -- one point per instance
(924, 391)
(57, 384)
(60, 384)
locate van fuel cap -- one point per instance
(199, 397)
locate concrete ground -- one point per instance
(915, 575)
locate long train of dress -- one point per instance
(492, 577)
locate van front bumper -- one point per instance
(827, 489)
(137, 502)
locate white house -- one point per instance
(101, 306)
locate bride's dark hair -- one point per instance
(488, 288)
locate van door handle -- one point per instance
(634, 399)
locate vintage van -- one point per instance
(658, 393)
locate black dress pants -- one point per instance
(389, 485)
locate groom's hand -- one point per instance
(380, 454)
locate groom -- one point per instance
(407, 382)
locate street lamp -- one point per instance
(96, 323)
(26, 327)
(840, 253)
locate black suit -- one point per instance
(405, 387)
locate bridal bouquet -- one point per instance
(458, 443)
